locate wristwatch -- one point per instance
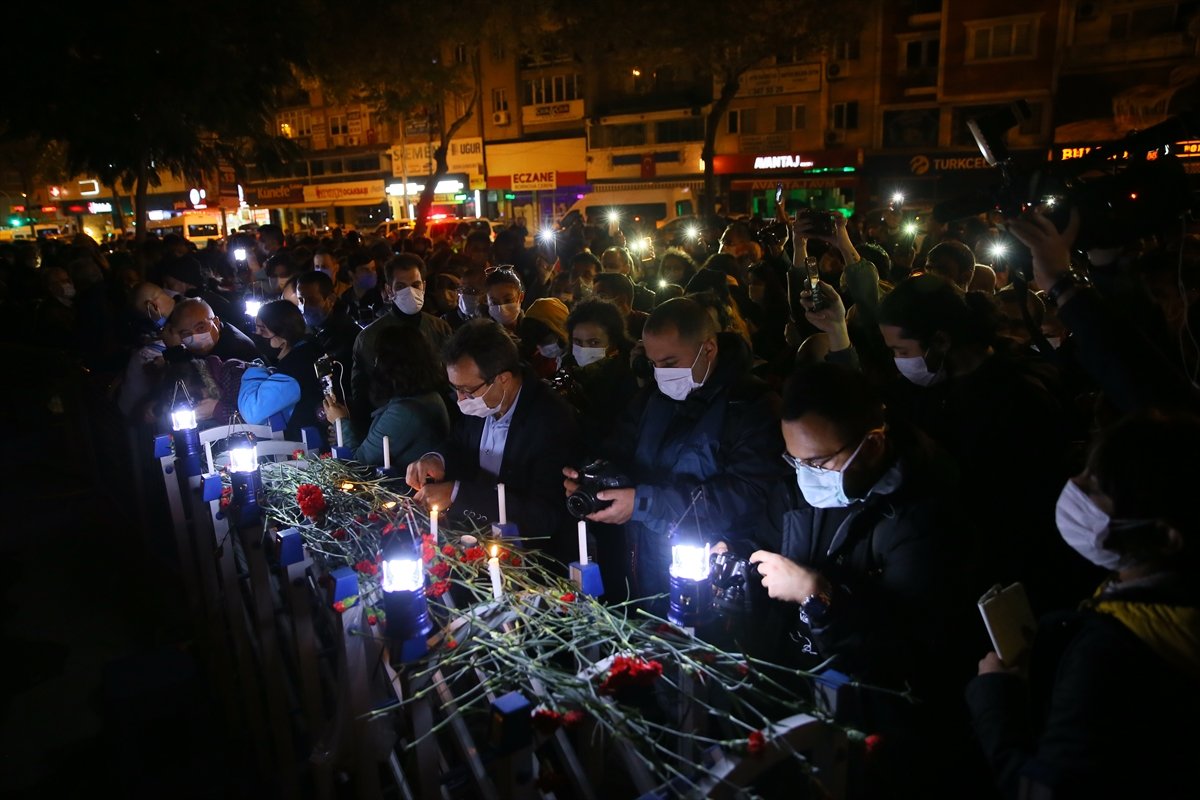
(815, 607)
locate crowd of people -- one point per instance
(883, 445)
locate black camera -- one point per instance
(821, 223)
(595, 477)
(323, 366)
(731, 578)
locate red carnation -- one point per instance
(437, 589)
(311, 500)
(573, 719)
(372, 517)
(366, 567)
(743, 669)
(569, 597)
(630, 671)
(473, 554)
(427, 553)
(756, 743)
(327, 454)
(451, 644)
(448, 550)
(440, 570)
(546, 720)
(340, 534)
(872, 743)
(297, 454)
(387, 529)
(339, 606)
(514, 559)
(372, 619)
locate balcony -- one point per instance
(1153, 48)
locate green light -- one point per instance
(460, 198)
(509, 196)
(15, 222)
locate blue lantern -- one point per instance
(245, 477)
(691, 589)
(403, 585)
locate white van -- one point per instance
(196, 226)
(646, 209)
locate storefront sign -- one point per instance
(817, 182)
(1185, 149)
(463, 155)
(931, 164)
(353, 193)
(552, 112)
(271, 195)
(99, 208)
(780, 80)
(782, 162)
(534, 181)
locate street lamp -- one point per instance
(691, 590)
(403, 585)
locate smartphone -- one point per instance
(814, 283)
(323, 366)
(778, 194)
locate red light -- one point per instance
(438, 216)
(49, 209)
(1133, 195)
(17, 209)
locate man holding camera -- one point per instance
(329, 322)
(694, 445)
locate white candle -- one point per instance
(387, 453)
(338, 427)
(494, 571)
(433, 524)
(583, 558)
(503, 505)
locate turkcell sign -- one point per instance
(534, 181)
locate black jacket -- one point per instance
(543, 437)
(335, 338)
(890, 558)
(298, 364)
(723, 439)
(1103, 714)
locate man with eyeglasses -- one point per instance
(859, 550)
(514, 429)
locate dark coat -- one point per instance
(335, 338)
(298, 365)
(723, 439)
(1102, 714)
(543, 437)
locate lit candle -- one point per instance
(494, 571)
(583, 558)
(503, 505)
(387, 453)
(433, 524)
(338, 426)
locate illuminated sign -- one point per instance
(781, 162)
(1185, 149)
(99, 208)
(552, 112)
(89, 187)
(534, 181)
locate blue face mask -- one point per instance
(366, 282)
(825, 488)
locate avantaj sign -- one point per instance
(782, 162)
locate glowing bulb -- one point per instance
(346, 487)
(693, 232)
(390, 504)
(546, 235)
(402, 575)
(239, 254)
(183, 419)
(252, 307)
(910, 229)
(662, 284)
(637, 73)
(898, 198)
(614, 217)
(637, 245)
(998, 250)
(689, 561)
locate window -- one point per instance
(845, 116)
(294, 124)
(790, 118)
(618, 135)
(362, 164)
(998, 39)
(338, 125)
(919, 55)
(743, 120)
(670, 131)
(915, 127)
(1141, 23)
(847, 50)
(499, 100)
(552, 89)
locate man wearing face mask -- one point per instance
(193, 331)
(860, 552)
(334, 331)
(404, 288)
(363, 300)
(471, 290)
(150, 307)
(514, 430)
(703, 428)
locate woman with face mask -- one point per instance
(281, 325)
(409, 411)
(1063, 722)
(545, 323)
(600, 354)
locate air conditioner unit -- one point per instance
(501, 118)
(833, 70)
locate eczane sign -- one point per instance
(534, 181)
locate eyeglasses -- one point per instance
(812, 463)
(470, 392)
(199, 327)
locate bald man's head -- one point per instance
(153, 301)
(195, 325)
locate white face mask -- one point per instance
(68, 290)
(677, 382)
(917, 371)
(478, 407)
(1054, 341)
(553, 350)
(199, 342)
(468, 304)
(588, 355)
(505, 313)
(409, 300)
(824, 488)
(1084, 526)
